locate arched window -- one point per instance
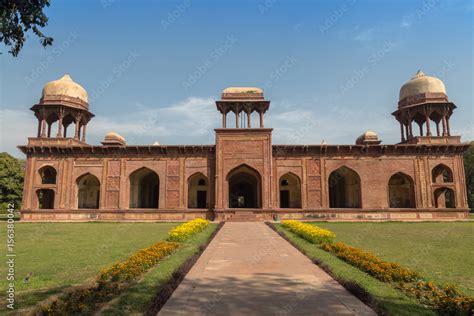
(401, 191)
(244, 187)
(444, 198)
(144, 189)
(344, 189)
(197, 191)
(442, 174)
(45, 199)
(290, 191)
(88, 191)
(48, 175)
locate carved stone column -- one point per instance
(60, 123)
(84, 133)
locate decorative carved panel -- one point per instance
(172, 198)
(113, 199)
(113, 168)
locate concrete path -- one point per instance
(248, 269)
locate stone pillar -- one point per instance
(261, 119)
(447, 127)
(248, 119)
(437, 129)
(76, 134)
(65, 132)
(444, 126)
(39, 128)
(43, 127)
(60, 123)
(237, 120)
(402, 132)
(428, 131)
(224, 120)
(84, 133)
(421, 129)
(410, 129)
(49, 129)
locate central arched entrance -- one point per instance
(244, 188)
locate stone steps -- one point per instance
(243, 217)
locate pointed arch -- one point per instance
(198, 190)
(47, 174)
(444, 198)
(442, 174)
(244, 184)
(401, 191)
(344, 188)
(88, 191)
(144, 188)
(45, 199)
(290, 190)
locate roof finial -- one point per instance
(419, 74)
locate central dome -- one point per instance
(64, 87)
(421, 84)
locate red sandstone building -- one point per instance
(243, 175)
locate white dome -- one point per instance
(421, 84)
(64, 87)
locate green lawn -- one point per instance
(60, 255)
(387, 300)
(136, 300)
(442, 252)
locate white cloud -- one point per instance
(193, 120)
(366, 35)
(16, 127)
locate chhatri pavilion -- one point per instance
(243, 176)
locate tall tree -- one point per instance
(11, 180)
(17, 17)
(469, 170)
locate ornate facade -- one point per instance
(243, 176)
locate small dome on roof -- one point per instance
(64, 87)
(156, 143)
(420, 84)
(242, 93)
(368, 138)
(112, 138)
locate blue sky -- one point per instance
(153, 69)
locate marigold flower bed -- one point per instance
(110, 282)
(445, 301)
(137, 263)
(309, 232)
(185, 231)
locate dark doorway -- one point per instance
(284, 199)
(45, 199)
(244, 187)
(344, 189)
(144, 189)
(201, 199)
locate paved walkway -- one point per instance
(248, 269)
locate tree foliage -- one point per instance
(17, 17)
(11, 180)
(469, 170)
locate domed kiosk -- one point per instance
(66, 102)
(423, 100)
